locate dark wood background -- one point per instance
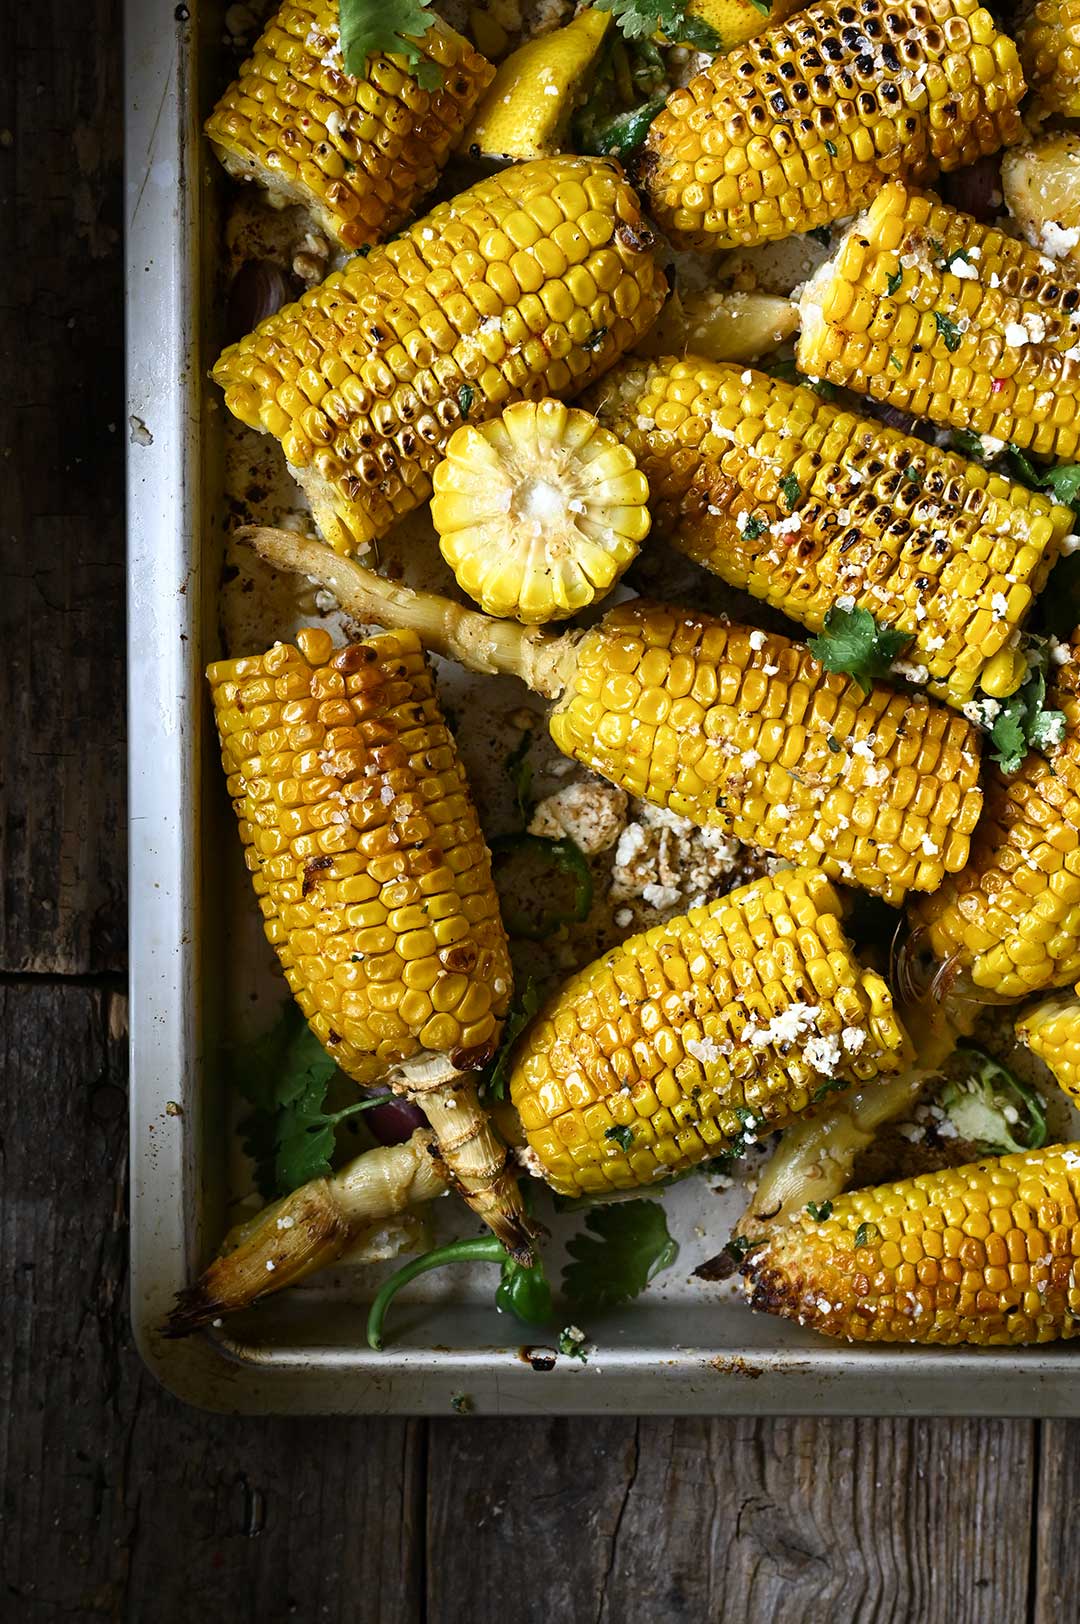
(119, 1503)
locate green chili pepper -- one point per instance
(521, 1291)
(626, 131)
(562, 854)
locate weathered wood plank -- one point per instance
(612, 1522)
(1057, 1552)
(62, 434)
(119, 1503)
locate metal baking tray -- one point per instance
(197, 961)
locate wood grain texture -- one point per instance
(1056, 1580)
(763, 1521)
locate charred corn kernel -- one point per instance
(358, 153)
(1041, 183)
(721, 326)
(801, 502)
(742, 730)
(531, 283)
(538, 511)
(735, 21)
(699, 1035)
(527, 110)
(1011, 919)
(926, 309)
(1051, 1030)
(357, 824)
(803, 124)
(1049, 41)
(988, 1254)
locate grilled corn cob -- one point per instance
(374, 881)
(1010, 922)
(926, 309)
(1051, 1030)
(985, 1254)
(538, 511)
(803, 124)
(358, 153)
(733, 728)
(529, 284)
(1049, 41)
(699, 1035)
(800, 503)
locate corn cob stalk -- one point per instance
(374, 880)
(538, 511)
(1051, 1030)
(926, 309)
(310, 1229)
(1009, 924)
(733, 728)
(985, 1254)
(529, 284)
(803, 124)
(801, 503)
(358, 153)
(700, 1035)
(1049, 41)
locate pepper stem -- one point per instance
(478, 1249)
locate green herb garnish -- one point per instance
(913, 474)
(641, 19)
(853, 644)
(622, 1134)
(1022, 724)
(595, 339)
(622, 134)
(465, 399)
(369, 28)
(989, 1105)
(819, 1210)
(831, 1085)
(830, 148)
(753, 528)
(790, 489)
(866, 1234)
(518, 769)
(496, 1074)
(893, 281)
(949, 331)
(629, 1245)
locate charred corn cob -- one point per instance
(701, 1034)
(803, 124)
(987, 1254)
(1049, 41)
(373, 877)
(529, 284)
(733, 728)
(801, 503)
(358, 153)
(928, 310)
(527, 110)
(1051, 1030)
(538, 511)
(1010, 922)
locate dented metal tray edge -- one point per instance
(284, 1363)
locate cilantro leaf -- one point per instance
(790, 489)
(854, 644)
(622, 1134)
(1063, 483)
(628, 1246)
(496, 1074)
(641, 19)
(949, 331)
(368, 27)
(969, 445)
(465, 398)
(753, 528)
(819, 1211)
(893, 281)
(830, 148)
(1022, 723)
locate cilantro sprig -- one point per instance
(1023, 723)
(854, 645)
(496, 1075)
(641, 19)
(629, 1245)
(369, 27)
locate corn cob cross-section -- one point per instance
(1049, 41)
(358, 153)
(924, 308)
(1011, 919)
(701, 1034)
(802, 125)
(529, 284)
(987, 1254)
(802, 503)
(1051, 1030)
(729, 726)
(373, 878)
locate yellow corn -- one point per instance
(802, 503)
(358, 153)
(1011, 919)
(928, 310)
(803, 124)
(1049, 41)
(531, 283)
(735, 21)
(987, 1254)
(699, 1035)
(1051, 1030)
(538, 511)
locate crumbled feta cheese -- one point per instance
(992, 446)
(999, 606)
(853, 1038)
(592, 813)
(786, 1028)
(846, 602)
(928, 847)
(823, 1053)
(959, 267)
(623, 917)
(662, 896)
(757, 641)
(707, 1050)
(863, 750)
(748, 759)
(913, 672)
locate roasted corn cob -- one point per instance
(531, 283)
(1049, 41)
(802, 503)
(924, 308)
(733, 728)
(699, 1035)
(374, 880)
(1010, 921)
(359, 153)
(538, 511)
(1051, 1030)
(987, 1254)
(803, 124)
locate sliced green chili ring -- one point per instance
(563, 854)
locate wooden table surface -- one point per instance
(118, 1502)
